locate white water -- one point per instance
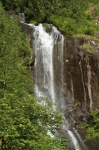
(89, 85)
(44, 43)
(74, 140)
(44, 81)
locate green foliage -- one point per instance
(70, 16)
(94, 1)
(33, 9)
(87, 47)
(24, 124)
(93, 127)
(87, 28)
(66, 26)
(95, 11)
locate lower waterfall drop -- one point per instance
(44, 45)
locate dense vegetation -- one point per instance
(93, 128)
(24, 124)
(70, 16)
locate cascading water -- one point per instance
(44, 79)
(44, 45)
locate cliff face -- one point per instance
(80, 67)
(81, 73)
(28, 30)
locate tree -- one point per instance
(24, 123)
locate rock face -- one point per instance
(28, 30)
(80, 67)
(81, 73)
(80, 79)
(80, 64)
(29, 35)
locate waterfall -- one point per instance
(46, 46)
(44, 74)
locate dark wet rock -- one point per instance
(48, 27)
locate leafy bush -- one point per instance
(65, 25)
(87, 47)
(24, 124)
(69, 16)
(93, 127)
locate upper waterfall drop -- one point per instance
(44, 69)
(48, 73)
(43, 45)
